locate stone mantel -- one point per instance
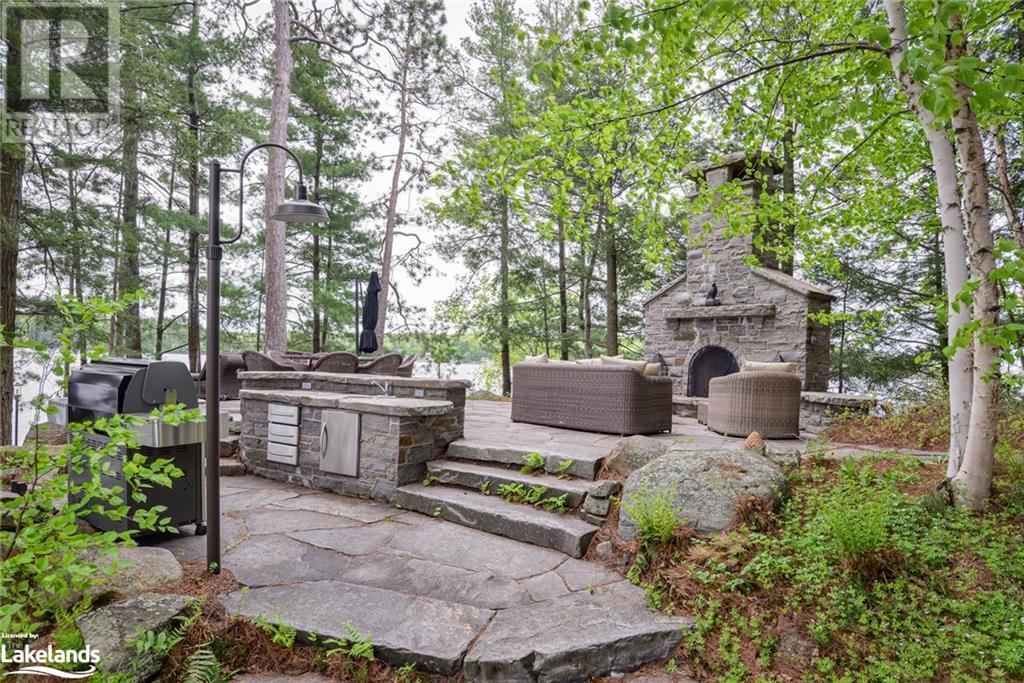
(724, 311)
(377, 405)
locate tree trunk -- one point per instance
(161, 307)
(276, 269)
(563, 299)
(1006, 188)
(788, 235)
(192, 285)
(12, 168)
(392, 206)
(319, 149)
(128, 280)
(972, 484)
(954, 243)
(503, 302)
(612, 293)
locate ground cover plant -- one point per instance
(865, 574)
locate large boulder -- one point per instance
(140, 570)
(704, 486)
(112, 631)
(633, 452)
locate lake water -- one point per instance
(32, 379)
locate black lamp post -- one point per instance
(297, 210)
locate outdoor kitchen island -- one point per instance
(356, 434)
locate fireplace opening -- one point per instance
(708, 363)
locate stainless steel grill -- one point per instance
(103, 389)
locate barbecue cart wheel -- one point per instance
(200, 529)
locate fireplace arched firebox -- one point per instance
(709, 362)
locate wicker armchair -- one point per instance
(764, 402)
(256, 361)
(339, 361)
(230, 385)
(386, 364)
(596, 398)
(405, 369)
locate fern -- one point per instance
(202, 666)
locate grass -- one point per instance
(862, 576)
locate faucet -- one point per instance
(384, 386)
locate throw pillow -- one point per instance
(652, 369)
(637, 365)
(760, 366)
(542, 358)
(588, 361)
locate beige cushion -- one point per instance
(761, 366)
(559, 361)
(652, 369)
(588, 361)
(637, 365)
(542, 358)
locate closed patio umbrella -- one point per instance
(368, 339)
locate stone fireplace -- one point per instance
(724, 311)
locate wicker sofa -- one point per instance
(764, 402)
(596, 398)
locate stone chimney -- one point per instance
(758, 313)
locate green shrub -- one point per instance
(47, 562)
(857, 527)
(653, 512)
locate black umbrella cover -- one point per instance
(368, 339)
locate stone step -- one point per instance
(585, 462)
(231, 467)
(564, 532)
(473, 476)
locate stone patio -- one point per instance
(427, 590)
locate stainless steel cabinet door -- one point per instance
(339, 442)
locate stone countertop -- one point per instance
(357, 378)
(834, 399)
(380, 405)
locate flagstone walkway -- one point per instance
(427, 590)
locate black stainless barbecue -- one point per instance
(103, 389)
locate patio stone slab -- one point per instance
(580, 575)
(460, 546)
(270, 521)
(188, 546)
(574, 638)
(432, 633)
(332, 504)
(277, 559)
(434, 580)
(546, 586)
(255, 498)
(359, 540)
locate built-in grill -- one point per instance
(103, 389)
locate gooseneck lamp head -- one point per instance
(300, 209)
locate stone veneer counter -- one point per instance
(379, 405)
(396, 426)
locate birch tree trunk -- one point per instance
(954, 243)
(972, 484)
(276, 272)
(12, 168)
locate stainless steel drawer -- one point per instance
(277, 452)
(286, 434)
(339, 442)
(282, 414)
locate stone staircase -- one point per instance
(468, 486)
